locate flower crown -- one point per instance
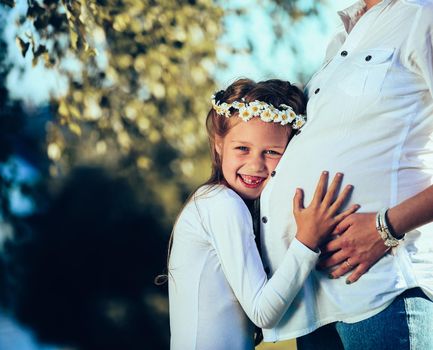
(284, 114)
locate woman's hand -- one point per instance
(357, 247)
(320, 218)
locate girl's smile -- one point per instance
(251, 181)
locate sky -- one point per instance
(308, 37)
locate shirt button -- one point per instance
(344, 53)
(273, 173)
(264, 219)
(317, 91)
(368, 58)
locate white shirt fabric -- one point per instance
(216, 277)
(370, 116)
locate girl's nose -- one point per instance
(257, 163)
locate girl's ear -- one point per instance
(218, 145)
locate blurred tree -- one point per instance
(23, 159)
(8, 126)
(81, 273)
(107, 245)
(139, 82)
(12, 124)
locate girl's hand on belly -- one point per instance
(320, 218)
(356, 248)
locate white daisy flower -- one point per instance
(284, 117)
(276, 116)
(299, 122)
(266, 116)
(291, 115)
(245, 114)
(255, 108)
(287, 116)
(225, 109)
(238, 105)
(219, 110)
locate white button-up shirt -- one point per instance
(370, 116)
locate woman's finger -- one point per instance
(357, 273)
(345, 267)
(331, 246)
(337, 237)
(333, 260)
(298, 200)
(321, 188)
(353, 208)
(333, 189)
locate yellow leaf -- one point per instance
(75, 128)
(63, 108)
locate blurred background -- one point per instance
(102, 138)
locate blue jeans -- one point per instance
(406, 324)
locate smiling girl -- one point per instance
(218, 288)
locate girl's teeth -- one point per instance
(252, 180)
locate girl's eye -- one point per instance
(242, 148)
(272, 153)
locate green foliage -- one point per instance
(139, 83)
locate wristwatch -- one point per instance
(384, 231)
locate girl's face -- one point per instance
(249, 152)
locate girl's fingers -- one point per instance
(333, 189)
(298, 200)
(342, 197)
(321, 188)
(347, 212)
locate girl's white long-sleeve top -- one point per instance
(217, 282)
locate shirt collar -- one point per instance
(353, 13)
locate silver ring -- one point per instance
(348, 264)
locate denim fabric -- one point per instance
(407, 324)
(324, 338)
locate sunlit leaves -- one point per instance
(155, 84)
(139, 84)
(54, 151)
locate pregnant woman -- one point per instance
(370, 115)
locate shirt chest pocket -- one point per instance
(363, 73)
